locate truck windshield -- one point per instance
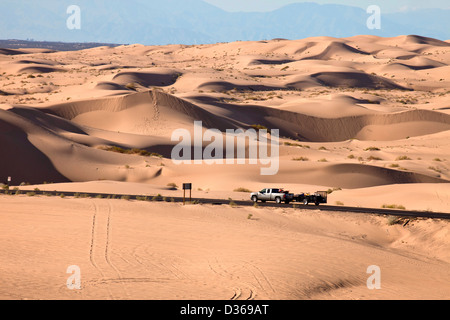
(263, 191)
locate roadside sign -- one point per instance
(187, 186)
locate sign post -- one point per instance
(9, 181)
(187, 186)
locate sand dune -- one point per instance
(39, 69)
(365, 118)
(355, 80)
(425, 40)
(334, 49)
(10, 51)
(373, 91)
(159, 78)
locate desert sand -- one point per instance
(146, 250)
(365, 117)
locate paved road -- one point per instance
(323, 207)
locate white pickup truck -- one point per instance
(272, 194)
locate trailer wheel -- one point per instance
(305, 202)
(255, 199)
(278, 200)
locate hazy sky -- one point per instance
(386, 5)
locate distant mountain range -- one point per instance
(153, 22)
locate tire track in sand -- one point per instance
(100, 249)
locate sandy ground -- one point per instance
(144, 250)
(366, 118)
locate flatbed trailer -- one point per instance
(317, 197)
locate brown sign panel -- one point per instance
(187, 186)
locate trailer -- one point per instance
(317, 197)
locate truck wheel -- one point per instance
(305, 202)
(317, 203)
(287, 201)
(278, 200)
(255, 199)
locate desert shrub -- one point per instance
(134, 151)
(372, 149)
(374, 158)
(399, 158)
(131, 86)
(300, 159)
(242, 190)
(259, 127)
(435, 169)
(290, 144)
(393, 206)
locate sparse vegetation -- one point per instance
(372, 149)
(330, 191)
(172, 185)
(435, 169)
(134, 151)
(300, 159)
(400, 158)
(393, 206)
(232, 203)
(339, 203)
(240, 189)
(131, 86)
(290, 144)
(259, 127)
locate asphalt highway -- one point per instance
(298, 205)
